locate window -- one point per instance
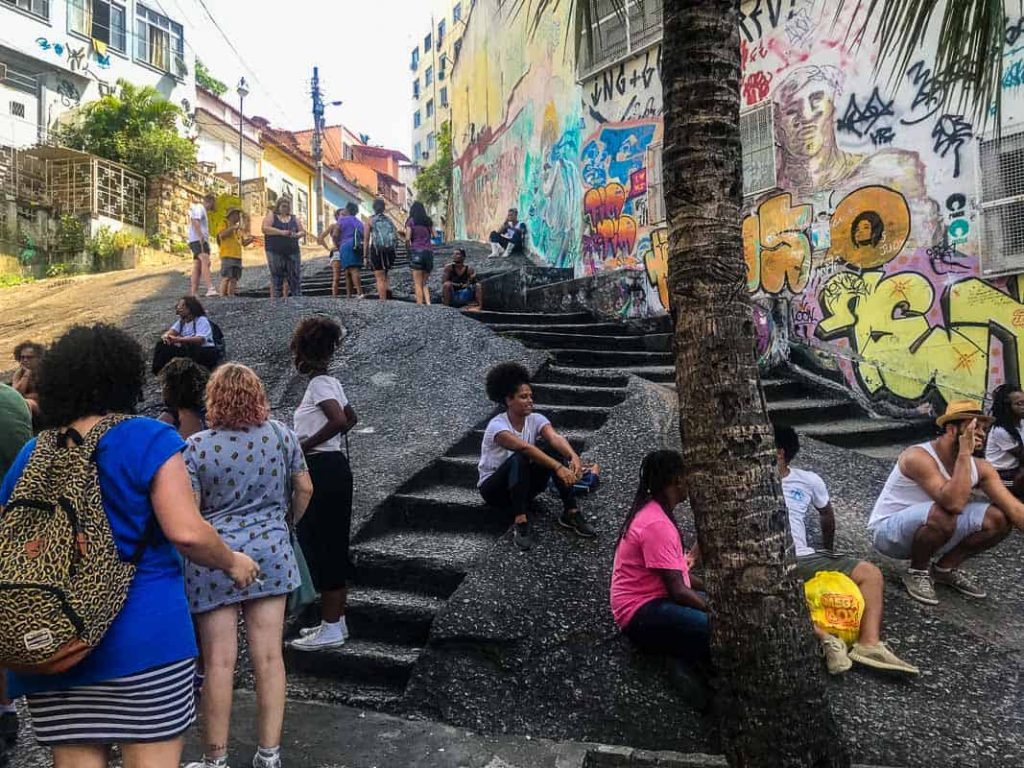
(457, 12)
(101, 20)
(757, 135)
(428, 76)
(415, 59)
(655, 185)
(35, 7)
(17, 109)
(159, 41)
(444, 96)
(457, 48)
(416, 119)
(615, 35)
(416, 88)
(430, 142)
(440, 34)
(430, 108)
(427, 42)
(417, 150)
(1002, 204)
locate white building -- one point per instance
(217, 139)
(58, 54)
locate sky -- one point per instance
(362, 48)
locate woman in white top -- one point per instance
(323, 416)
(514, 469)
(190, 336)
(1005, 447)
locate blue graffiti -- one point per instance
(627, 148)
(46, 45)
(1013, 75)
(594, 162)
(553, 199)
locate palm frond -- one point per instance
(968, 67)
(580, 13)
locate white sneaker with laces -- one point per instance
(307, 631)
(218, 762)
(319, 641)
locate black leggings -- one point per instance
(325, 529)
(207, 357)
(519, 480)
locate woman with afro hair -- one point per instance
(184, 396)
(514, 468)
(323, 416)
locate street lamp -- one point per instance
(242, 90)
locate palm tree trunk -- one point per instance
(772, 702)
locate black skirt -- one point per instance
(325, 529)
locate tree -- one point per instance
(205, 79)
(136, 127)
(434, 183)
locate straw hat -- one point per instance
(963, 410)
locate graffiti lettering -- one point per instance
(945, 259)
(605, 202)
(756, 87)
(930, 94)
(69, 93)
(634, 111)
(638, 182)
(76, 58)
(1013, 31)
(1013, 75)
(617, 82)
(656, 264)
(750, 24)
(883, 136)
(859, 121)
(777, 246)
(46, 45)
(950, 133)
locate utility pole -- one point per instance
(318, 153)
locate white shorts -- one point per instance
(335, 256)
(894, 536)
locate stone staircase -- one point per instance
(419, 545)
(578, 339)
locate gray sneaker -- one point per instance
(958, 580)
(919, 586)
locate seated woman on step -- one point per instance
(514, 468)
(652, 598)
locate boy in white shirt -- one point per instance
(802, 490)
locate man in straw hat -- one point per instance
(925, 512)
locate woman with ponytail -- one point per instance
(651, 596)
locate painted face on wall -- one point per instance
(805, 112)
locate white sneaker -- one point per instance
(212, 292)
(266, 762)
(319, 641)
(508, 249)
(495, 250)
(310, 631)
(220, 762)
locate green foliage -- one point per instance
(434, 183)
(206, 79)
(136, 127)
(179, 247)
(70, 236)
(107, 247)
(9, 281)
(62, 269)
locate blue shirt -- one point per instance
(154, 627)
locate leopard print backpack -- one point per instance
(62, 580)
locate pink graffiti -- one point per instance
(638, 183)
(605, 202)
(756, 87)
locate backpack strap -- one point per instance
(93, 437)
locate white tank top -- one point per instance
(901, 492)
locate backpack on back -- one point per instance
(384, 235)
(62, 579)
(219, 343)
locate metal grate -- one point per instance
(17, 109)
(615, 35)
(757, 134)
(1002, 204)
(655, 186)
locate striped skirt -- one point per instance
(155, 705)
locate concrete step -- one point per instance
(531, 318)
(454, 509)
(811, 410)
(391, 615)
(610, 359)
(864, 431)
(575, 416)
(545, 394)
(428, 562)
(581, 377)
(585, 329)
(448, 470)
(470, 444)
(380, 697)
(778, 388)
(359, 660)
(659, 342)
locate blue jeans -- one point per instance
(664, 627)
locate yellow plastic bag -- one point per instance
(836, 605)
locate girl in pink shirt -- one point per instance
(651, 597)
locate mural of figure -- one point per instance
(556, 194)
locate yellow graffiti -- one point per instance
(656, 263)
(870, 227)
(886, 321)
(776, 246)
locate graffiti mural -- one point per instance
(867, 251)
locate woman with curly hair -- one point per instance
(190, 336)
(514, 468)
(250, 478)
(323, 416)
(184, 392)
(144, 663)
(27, 355)
(1005, 447)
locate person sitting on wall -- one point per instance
(803, 489)
(510, 237)
(460, 286)
(191, 336)
(1005, 447)
(231, 242)
(27, 355)
(925, 512)
(514, 468)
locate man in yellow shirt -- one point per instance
(231, 242)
